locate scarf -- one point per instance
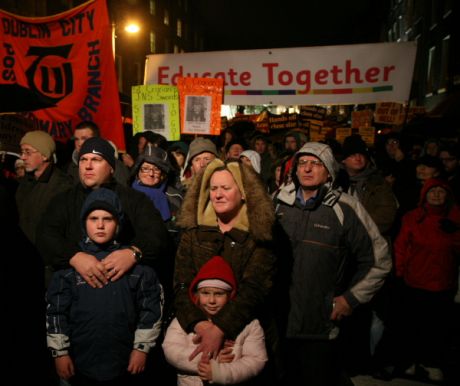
(358, 182)
(158, 197)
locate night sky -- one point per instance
(251, 24)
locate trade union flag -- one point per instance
(66, 62)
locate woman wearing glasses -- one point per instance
(152, 176)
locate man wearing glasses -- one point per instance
(41, 183)
(339, 260)
(43, 180)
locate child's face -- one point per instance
(101, 226)
(211, 300)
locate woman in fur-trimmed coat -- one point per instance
(226, 212)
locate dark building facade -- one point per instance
(433, 24)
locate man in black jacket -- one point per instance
(143, 231)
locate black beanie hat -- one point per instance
(431, 162)
(354, 144)
(99, 146)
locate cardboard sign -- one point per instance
(156, 108)
(389, 113)
(368, 135)
(342, 132)
(361, 118)
(200, 105)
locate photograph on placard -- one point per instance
(154, 116)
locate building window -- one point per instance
(395, 31)
(195, 40)
(179, 28)
(447, 8)
(434, 13)
(186, 31)
(431, 70)
(152, 42)
(153, 7)
(445, 52)
(167, 45)
(401, 28)
(176, 49)
(166, 17)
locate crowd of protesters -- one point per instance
(274, 259)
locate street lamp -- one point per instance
(131, 28)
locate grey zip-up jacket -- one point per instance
(337, 250)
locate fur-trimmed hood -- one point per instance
(257, 215)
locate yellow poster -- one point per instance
(156, 108)
(368, 135)
(341, 133)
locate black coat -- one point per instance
(60, 230)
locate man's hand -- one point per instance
(205, 371)
(137, 362)
(64, 367)
(90, 268)
(209, 339)
(118, 263)
(340, 308)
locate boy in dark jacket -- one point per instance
(102, 334)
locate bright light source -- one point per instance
(132, 28)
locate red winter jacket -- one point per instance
(426, 255)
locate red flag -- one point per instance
(66, 61)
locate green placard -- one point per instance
(156, 108)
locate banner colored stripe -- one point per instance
(331, 91)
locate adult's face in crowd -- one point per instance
(246, 161)
(260, 146)
(424, 172)
(290, 143)
(392, 147)
(180, 158)
(436, 196)
(225, 195)
(235, 150)
(200, 161)
(150, 175)
(80, 136)
(449, 161)
(355, 163)
(311, 172)
(432, 148)
(33, 159)
(94, 170)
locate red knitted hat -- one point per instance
(214, 268)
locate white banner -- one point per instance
(362, 73)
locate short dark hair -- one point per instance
(235, 142)
(452, 148)
(89, 125)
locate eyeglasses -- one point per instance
(27, 153)
(447, 159)
(392, 142)
(153, 169)
(313, 162)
